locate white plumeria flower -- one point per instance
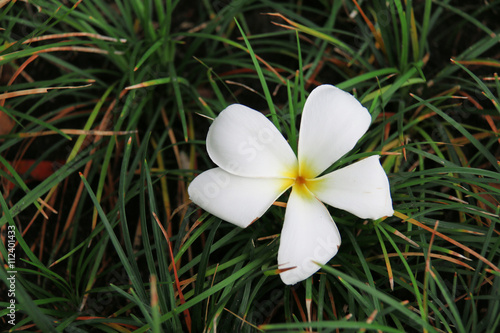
(256, 165)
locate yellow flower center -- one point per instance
(300, 180)
(301, 183)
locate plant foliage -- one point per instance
(103, 117)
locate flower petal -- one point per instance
(332, 122)
(309, 235)
(244, 142)
(235, 199)
(361, 188)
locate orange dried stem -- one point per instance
(187, 315)
(36, 91)
(406, 218)
(376, 34)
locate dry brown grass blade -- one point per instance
(4, 2)
(211, 285)
(309, 311)
(370, 319)
(490, 198)
(270, 68)
(462, 141)
(448, 92)
(375, 33)
(188, 234)
(69, 49)
(74, 34)
(399, 234)
(492, 124)
(406, 218)
(75, 132)
(332, 303)
(21, 69)
(243, 320)
(38, 91)
(244, 86)
(427, 272)
(478, 62)
(299, 306)
(163, 181)
(6, 123)
(272, 237)
(154, 291)
(187, 315)
(420, 254)
(103, 125)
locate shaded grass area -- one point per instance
(102, 128)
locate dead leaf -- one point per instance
(6, 122)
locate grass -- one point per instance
(102, 129)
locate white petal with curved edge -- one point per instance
(332, 123)
(361, 188)
(244, 142)
(309, 235)
(235, 199)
